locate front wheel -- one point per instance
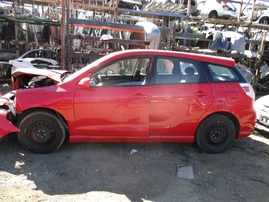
(215, 134)
(264, 20)
(41, 132)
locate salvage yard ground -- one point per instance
(112, 172)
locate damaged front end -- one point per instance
(7, 114)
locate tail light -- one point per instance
(248, 90)
(225, 7)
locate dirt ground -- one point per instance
(102, 172)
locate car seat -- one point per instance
(176, 74)
(190, 74)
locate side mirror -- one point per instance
(84, 83)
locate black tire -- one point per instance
(215, 134)
(41, 132)
(264, 20)
(213, 14)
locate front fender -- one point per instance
(6, 126)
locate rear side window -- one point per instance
(176, 70)
(218, 73)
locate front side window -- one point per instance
(127, 72)
(122, 67)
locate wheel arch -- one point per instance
(228, 115)
(217, 132)
(28, 111)
(211, 12)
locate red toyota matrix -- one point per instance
(133, 96)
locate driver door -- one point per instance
(109, 109)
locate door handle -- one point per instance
(139, 96)
(200, 93)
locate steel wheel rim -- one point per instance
(41, 132)
(216, 134)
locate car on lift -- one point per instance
(257, 13)
(263, 18)
(214, 9)
(138, 95)
(260, 14)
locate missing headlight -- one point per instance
(4, 107)
(10, 116)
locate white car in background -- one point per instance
(213, 9)
(261, 12)
(263, 18)
(261, 106)
(36, 58)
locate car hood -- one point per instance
(50, 73)
(24, 75)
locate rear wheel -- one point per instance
(215, 134)
(213, 14)
(41, 132)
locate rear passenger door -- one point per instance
(177, 101)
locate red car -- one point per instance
(135, 96)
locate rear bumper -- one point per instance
(6, 126)
(247, 121)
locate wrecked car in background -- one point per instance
(9, 63)
(35, 58)
(35, 68)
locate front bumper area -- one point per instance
(6, 126)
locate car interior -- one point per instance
(134, 72)
(125, 72)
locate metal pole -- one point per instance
(189, 8)
(239, 14)
(251, 17)
(63, 29)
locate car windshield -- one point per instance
(80, 71)
(65, 75)
(88, 67)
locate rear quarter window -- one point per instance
(219, 73)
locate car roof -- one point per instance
(194, 56)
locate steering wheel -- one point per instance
(100, 81)
(99, 78)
